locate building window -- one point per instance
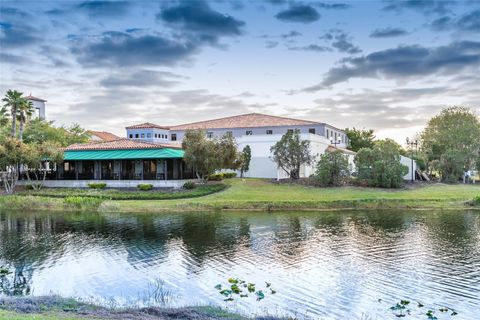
(290, 130)
(249, 132)
(142, 135)
(149, 135)
(136, 135)
(229, 134)
(210, 135)
(269, 131)
(311, 130)
(327, 134)
(131, 136)
(173, 136)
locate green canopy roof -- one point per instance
(130, 154)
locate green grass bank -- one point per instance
(252, 194)
(53, 307)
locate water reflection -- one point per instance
(326, 264)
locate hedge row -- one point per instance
(115, 194)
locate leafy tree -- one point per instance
(246, 157)
(380, 166)
(3, 116)
(358, 139)
(25, 112)
(206, 156)
(332, 168)
(290, 153)
(36, 161)
(451, 142)
(39, 131)
(13, 153)
(13, 99)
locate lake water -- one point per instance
(323, 265)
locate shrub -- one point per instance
(380, 166)
(99, 185)
(216, 177)
(145, 186)
(332, 169)
(83, 202)
(476, 200)
(28, 187)
(189, 185)
(229, 175)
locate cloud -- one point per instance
(11, 58)
(311, 47)
(16, 35)
(122, 49)
(198, 17)
(340, 40)
(426, 7)
(406, 61)
(142, 79)
(291, 34)
(271, 44)
(104, 8)
(332, 6)
(299, 13)
(11, 12)
(469, 22)
(388, 32)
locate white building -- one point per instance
(259, 131)
(39, 105)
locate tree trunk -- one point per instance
(14, 122)
(20, 130)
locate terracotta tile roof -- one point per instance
(30, 97)
(244, 121)
(104, 135)
(120, 144)
(146, 125)
(331, 148)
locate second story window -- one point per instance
(149, 135)
(130, 136)
(229, 134)
(290, 130)
(210, 135)
(136, 135)
(269, 132)
(249, 132)
(173, 137)
(311, 130)
(142, 135)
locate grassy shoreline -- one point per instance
(263, 195)
(55, 307)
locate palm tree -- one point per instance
(3, 116)
(25, 112)
(13, 99)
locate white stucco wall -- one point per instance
(408, 162)
(110, 183)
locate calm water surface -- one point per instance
(324, 265)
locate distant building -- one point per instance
(39, 105)
(102, 136)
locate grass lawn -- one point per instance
(258, 194)
(253, 194)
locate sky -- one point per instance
(385, 65)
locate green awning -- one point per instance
(135, 154)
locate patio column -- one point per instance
(165, 167)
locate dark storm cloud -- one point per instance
(141, 79)
(104, 8)
(468, 22)
(299, 13)
(121, 49)
(198, 17)
(16, 35)
(424, 6)
(406, 61)
(388, 32)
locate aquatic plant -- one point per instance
(240, 288)
(401, 309)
